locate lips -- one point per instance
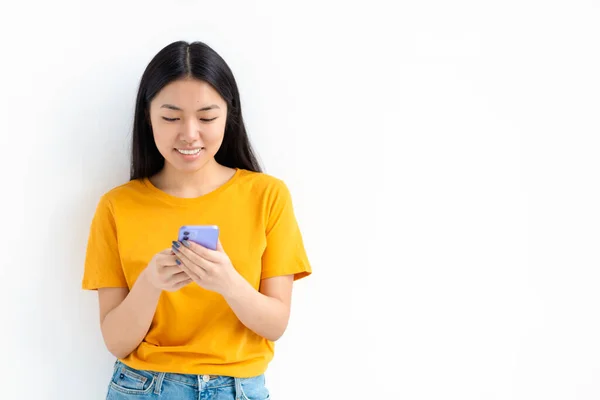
(189, 152)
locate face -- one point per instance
(188, 121)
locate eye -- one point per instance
(170, 119)
(208, 120)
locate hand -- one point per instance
(210, 269)
(164, 273)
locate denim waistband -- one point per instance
(200, 382)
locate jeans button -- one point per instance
(206, 378)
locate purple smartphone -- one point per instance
(204, 235)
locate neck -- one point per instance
(192, 184)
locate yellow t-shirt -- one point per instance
(194, 330)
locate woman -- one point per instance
(187, 321)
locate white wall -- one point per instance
(442, 157)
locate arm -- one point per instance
(266, 312)
(125, 317)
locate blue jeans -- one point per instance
(128, 383)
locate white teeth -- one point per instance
(189, 152)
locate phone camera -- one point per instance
(186, 233)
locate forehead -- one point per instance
(187, 93)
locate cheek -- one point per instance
(163, 137)
(213, 136)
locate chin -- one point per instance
(189, 166)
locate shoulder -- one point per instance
(267, 186)
(122, 194)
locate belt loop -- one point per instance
(159, 382)
(238, 389)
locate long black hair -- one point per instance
(189, 60)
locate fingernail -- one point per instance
(178, 262)
(186, 243)
(176, 244)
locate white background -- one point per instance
(443, 158)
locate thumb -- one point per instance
(220, 246)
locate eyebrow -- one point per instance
(172, 107)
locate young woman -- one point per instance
(183, 320)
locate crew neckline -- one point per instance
(189, 200)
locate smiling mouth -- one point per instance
(190, 152)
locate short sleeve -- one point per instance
(284, 253)
(102, 261)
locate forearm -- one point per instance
(266, 316)
(126, 325)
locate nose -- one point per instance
(190, 130)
